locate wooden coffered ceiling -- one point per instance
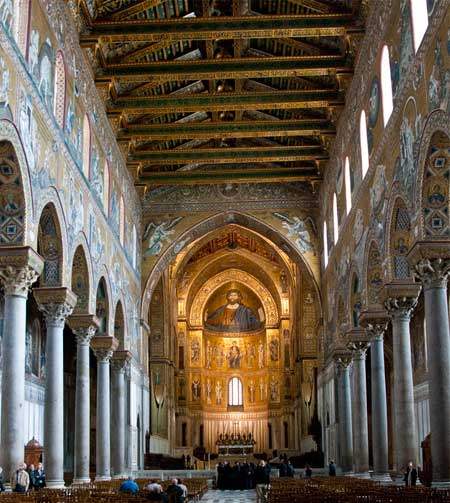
(213, 91)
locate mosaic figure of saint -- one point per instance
(234, 356)
(233, 316)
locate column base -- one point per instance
(441, 484)
(99, 478)
(120, 476)
(362, 475)
(81, 480)
(382, 477)
(54, 484)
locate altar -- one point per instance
(235, 445)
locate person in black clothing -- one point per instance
(38, 477)
(175, 489)
(2, 481)
(30, 471)
(289, 469)
(332, 469)
(308, 472)
(158, 495)
(283, 469)
(410, 477)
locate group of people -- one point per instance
(242, 475)
(155, 490)
(25, 478)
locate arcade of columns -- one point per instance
(20, 267)
(400, 299)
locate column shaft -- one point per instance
(103, 421)
(345, 420)
(405, 444)
(82, 413)
(13, 382)
(438, 345)
(379, 411)
(118, 422)
(54, 407)
(361, 433)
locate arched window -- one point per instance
(386, 85)
(86, 146)
(335, 220)
(121, 221)
(134, 247)
(59, 105)
(419, 17)
(235, 391)
(363, 144)
(348, 189)
(325, 245)
(106, 189)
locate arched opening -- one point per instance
(435, 188)
(386, 85)
(235, 392)
(50, 247)
(325, 244)
(363, 143)
(102, 307)
(419, 18)
(80, 281)
(12, 200)
(106, 188)
(119, 326)
(59, 107)
(355, 300)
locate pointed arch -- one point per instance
(50, 247)
(419, 20)
(80, 281)
(119, 325)
(363, 142)
(59, 105)
(386, 84)
(335, 219)
(347, 183)
(102, 307)
(87, 142)
(355, 299)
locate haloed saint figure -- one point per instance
(233, 316)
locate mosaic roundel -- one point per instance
(374, 102)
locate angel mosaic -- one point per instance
(297, 230)
(157, 234)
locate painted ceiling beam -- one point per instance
(245, 129)
(198, 177)
(233, 68)
(320, 98)
(211, 28)
(227, 155)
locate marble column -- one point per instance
(19, 269)
(84, 328)
(103, 347)
(119, 363)
(433, 273)
(375, 322)
(400, 302)
(56, 303)
(345, 437)
(358, 345)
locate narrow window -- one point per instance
(348, 189)
(325, 245)
(235, 391)
(419, 16)
(86, 146)
(335, 219)
(386, 85)
(363, 143)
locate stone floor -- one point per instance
(214, 496)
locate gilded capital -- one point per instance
(20, 267)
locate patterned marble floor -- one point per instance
(214, 496)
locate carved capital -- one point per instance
(84, 327)
(375, 322)
(56, 303)
(433, 273)
(358, 342)
(401, 298)
(343, 359)
(121, 361)
(20, 267)
(104, 347)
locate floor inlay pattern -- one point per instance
(214, 496)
